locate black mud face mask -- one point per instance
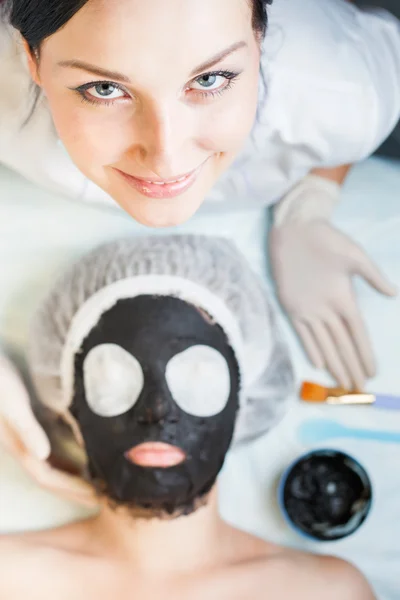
(155, 369)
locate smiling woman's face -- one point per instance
(153, 99)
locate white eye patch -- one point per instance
(113, 380)
(199, 381)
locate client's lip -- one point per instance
(162, 188)
(155, 454)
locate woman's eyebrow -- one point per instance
(218, 57)
(83, 66)
(115, 76)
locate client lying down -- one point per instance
(158, 354)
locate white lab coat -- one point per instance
(331, 96)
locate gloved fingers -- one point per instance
(365, 267)
(11, 440)
(70, 486)
(8, 441)
(17, 413)
(358, 330)
(333, 360)
(348, 350)
(30, 433)
(33, 436)
(309, 344)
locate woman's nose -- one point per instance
(154, 409)
(164, 139)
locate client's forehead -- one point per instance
(150, 322)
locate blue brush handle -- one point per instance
(370, 434)
(318, 430)
(388, 402)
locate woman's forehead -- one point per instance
(131, 35)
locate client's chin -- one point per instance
(155, 492)
(138, 512)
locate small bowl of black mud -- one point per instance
(325, 495)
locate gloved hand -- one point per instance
(17, 421)
(313, 264)
(23, 437)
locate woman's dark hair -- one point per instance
(39, 19)
(260, 15)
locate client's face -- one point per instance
(156, 396)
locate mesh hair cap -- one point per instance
(206, 272)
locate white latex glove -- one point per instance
(23, 438)
(16, 414)
(313, 264)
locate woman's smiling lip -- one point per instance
(155, 455)
(161, 188)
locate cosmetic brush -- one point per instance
(318, 394)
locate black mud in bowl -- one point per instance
(325, 495)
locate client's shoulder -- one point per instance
(49, 560)
(344, 579)
(22, 562)
(310, 577)
(71, 538)
(30, 550)
(53, 543)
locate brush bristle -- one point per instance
(312, 392)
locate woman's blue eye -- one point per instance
(207, 80)
(105, 90)
(216, 82)
(100, 92)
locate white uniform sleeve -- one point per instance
(16, 92)
(333, 79)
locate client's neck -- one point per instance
(158, 545)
